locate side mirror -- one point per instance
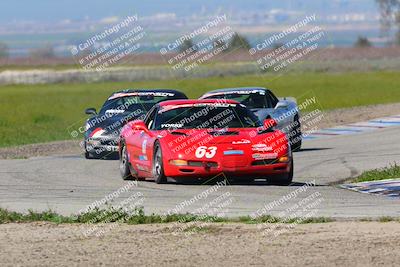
(139, 125)
(281, 104)
(270, 123)
(91, 111)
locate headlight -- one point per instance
(284, 159)
(96, 132)
(178, 162)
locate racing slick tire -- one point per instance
(88, 155)
(296, 141)
(158, 167)
(297, 146)
(285, 179)
(124, 167)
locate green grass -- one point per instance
(113, 215)
(38, 67)
(382, 219)
(387, 219)
(42, 113)
(391, 172)
(7, 216)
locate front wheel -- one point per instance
(296, 146)
(296, 141)
(124, 165)
(158, 167)
(284, 179)
(88, 155)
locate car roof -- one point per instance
(156, 90)
(133, 90)
(126, 92)
(223, 90)
(195, 101)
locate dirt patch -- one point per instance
(331, 118)
(67, 147)
(357, 114)
(330, 244)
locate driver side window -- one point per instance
(271, 98)
(149, 121)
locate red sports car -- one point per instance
(203, 139)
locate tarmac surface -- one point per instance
(68, 184)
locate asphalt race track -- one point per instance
(68, 184)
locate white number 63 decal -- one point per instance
(209, 152)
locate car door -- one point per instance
(145, 141)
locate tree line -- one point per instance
(236, 42)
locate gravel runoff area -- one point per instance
(327, 244)
(332, 118)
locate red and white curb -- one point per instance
(355, 128)
(390, 187)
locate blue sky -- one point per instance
(55, 10)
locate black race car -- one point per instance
(103, 128)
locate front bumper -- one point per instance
(253, 171)
(100, 146)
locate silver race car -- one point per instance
(266, 105)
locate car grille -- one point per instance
(264, 162)
(210, 164)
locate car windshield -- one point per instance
(250, 100)
(207, 116)
(137, 104)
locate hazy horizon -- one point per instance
(52, 11)
(26, 24)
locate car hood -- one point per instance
(110, 124)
